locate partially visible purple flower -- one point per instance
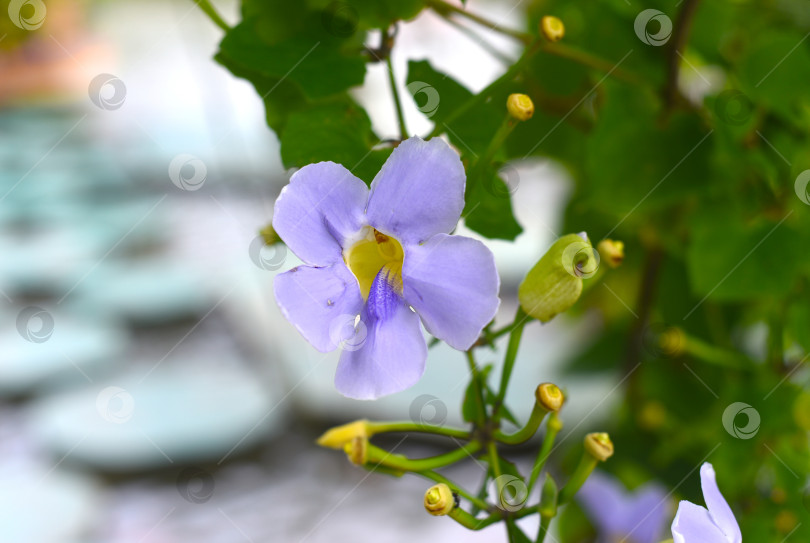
(696, 524)
(384, 255)
(639, 516)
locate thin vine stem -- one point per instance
(403, 130)
(208, 8)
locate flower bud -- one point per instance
(439, 500)
(338, 437)
(548, 498)
(549, 396)
(555, 283)
(552, 28)
(611, 252)
(599, 446)
(357, 450)
(520, 107)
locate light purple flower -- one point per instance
(384, 255)
(639, 516)
(695, 524)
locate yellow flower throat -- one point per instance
(370, 254)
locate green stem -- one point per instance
(208, 9)
(525, 433)
(403, 463)
(444, 9)
(553, 427)
(591, 61)
(403, 130)
(583, 470)
(467, 520)
(383, 427)
(479, 392)
(716, 356)
(544, 524)
(509, 361)
(475, 99)
(478, 39)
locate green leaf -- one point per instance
(339, 131)
(369, 14)
(775, 69)
(303, 57)
(730, 260)
(488, 205)
(438, 95)
(633, 163)
(469, 407)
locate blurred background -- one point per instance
(150, 390)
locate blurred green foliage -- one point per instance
(699, 186)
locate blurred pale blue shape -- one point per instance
(638, 516)
(71, 350)
(41, 505)
(154, 290)
(172, 415)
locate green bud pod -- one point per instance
(555, 282)
(548, 498)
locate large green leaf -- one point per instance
(775, 70)
(339, 131)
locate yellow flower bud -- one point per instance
(357, 450)
(520, 107)
(552, 28)
(338, 437)
(611, 252)
(671, 341)
(439, 500)
(599, 446)
(549, 396)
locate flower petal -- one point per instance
(693, 524)
(452, 283)
(718, 506)
(392, 358)
(319, 302)
(603, 499)
(321, 207)
(646, 514)
(419, 192)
